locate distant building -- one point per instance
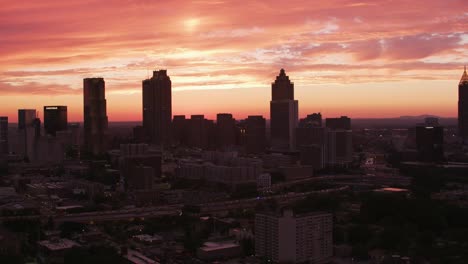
(339, 123)
(463, 106)
(179, 130)
(55, 119)
(339, 147)
(26, 118)
(139, 167)
(313, 145)
(157, 108)
(225, 131)
(201, 132)
(430, 142)
(255, 132)
(95, 116)
(312, 120)
(27, 131)
(283, 113)
(3, 135)
(290, 238)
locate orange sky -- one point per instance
(369, 58)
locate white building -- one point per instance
(289, 238)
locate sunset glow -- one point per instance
(382, 58)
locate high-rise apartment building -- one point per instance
(157, 108)
(283, 113)
(3, 135)
(294, 238)
(255, 131)
(463, 106)
(95, 116)
(55, 119)
(225, 131)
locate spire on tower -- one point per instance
(464, 78)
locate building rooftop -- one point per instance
(58, 244)
(212, 246)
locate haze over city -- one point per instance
(362, 58)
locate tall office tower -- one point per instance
(55, 119)
(27, 130)
(255, 131)
(463, 106)
(26, 118)
(225, 131)
(3, 135)
(283, 113)
(313, 120)
(179, 130)
(95, 116)
(339, 147)
(339, 123)
(157, 108)
(294, 238)
(430, 143)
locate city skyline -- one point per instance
(341, 47)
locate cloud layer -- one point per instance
(48, 46)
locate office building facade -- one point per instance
(157, 108)
(55, 119)
(95, 116)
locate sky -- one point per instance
(361, 58)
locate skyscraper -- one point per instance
(157, 108)
(430, 143)
(26, 117)
(3, 135)
(463, 106)
(95, 115)
(283, 113)
(55, 119)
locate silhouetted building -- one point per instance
(340, 123)
(95, 116)
(339, 147)
(26, 117)
(313, 145)
(179, 130)
(430, 142)
(27, 130)
(3, 135)
(313, 120)
(283, 113)
(225, 131)
(201, 132)
(139, 167)
(463, 106)
(157, 108)
(55, 119)
(255, 131)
